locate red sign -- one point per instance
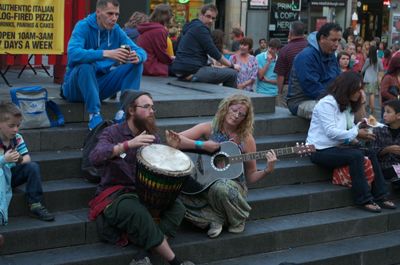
(386, 2)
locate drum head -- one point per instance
(165, 159)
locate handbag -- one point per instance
(36, 107)
(341, 176)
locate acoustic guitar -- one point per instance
(227, 163)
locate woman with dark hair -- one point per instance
(390, 85)
(372, 67)
(334, 135)
(153, 39)
(247, 75)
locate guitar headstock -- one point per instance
(303, 149)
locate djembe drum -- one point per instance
(162, 171)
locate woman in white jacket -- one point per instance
(333, 133)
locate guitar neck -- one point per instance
(260, 155)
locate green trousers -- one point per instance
(128, 214)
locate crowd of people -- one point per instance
(325, 77)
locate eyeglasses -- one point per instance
(210, 17)
(147, 107)
(238, 113)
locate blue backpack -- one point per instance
(34, 105)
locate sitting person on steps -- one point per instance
(116, 205)
(224, 202)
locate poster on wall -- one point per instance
(396, 28)
(282, 15)
(258, 4)
(31, 27)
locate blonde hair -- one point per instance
(246, 127)
(136, 19)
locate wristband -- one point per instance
(199, 144)
(126, 146)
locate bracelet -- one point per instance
(198, 144)
(126, 146)
(232, 66)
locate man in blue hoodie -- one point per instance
(313, 70)
(97, 65)
(195, 44)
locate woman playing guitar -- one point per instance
(223, 202)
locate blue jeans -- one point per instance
(354, 158)
(85, 85)
(28, 173)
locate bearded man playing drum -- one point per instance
(117, 207)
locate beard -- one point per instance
(145, 124)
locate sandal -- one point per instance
(371, 207)
(386, 204)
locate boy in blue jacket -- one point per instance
(98, 67)
(16, 166)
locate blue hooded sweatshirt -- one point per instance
(194, 45)
(311, 74)
(88, 41)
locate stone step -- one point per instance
(25, 234)
(59, 195)
(260, 236)
(72, 135)
(75, 193)
(67, 164)
(175, 102)
(382, 249)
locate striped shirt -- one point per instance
(16, 143)
(286, 57)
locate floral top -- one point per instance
(247, 70)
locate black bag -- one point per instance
(90, 172)
(393, 90)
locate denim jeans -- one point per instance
(353, 157)
(28, 173)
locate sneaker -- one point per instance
(94, 121)
(214, 230)
(119, 116)
(144, 261)
(236, 229)
(40, 212)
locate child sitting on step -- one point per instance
(16, 167)
(387, 143)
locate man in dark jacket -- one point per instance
(195, 44)
(313, 70)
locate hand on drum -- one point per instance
(173, 138)
(142, 139)
(271, 159)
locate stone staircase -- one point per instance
(297, 216)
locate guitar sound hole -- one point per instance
(220, 161)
